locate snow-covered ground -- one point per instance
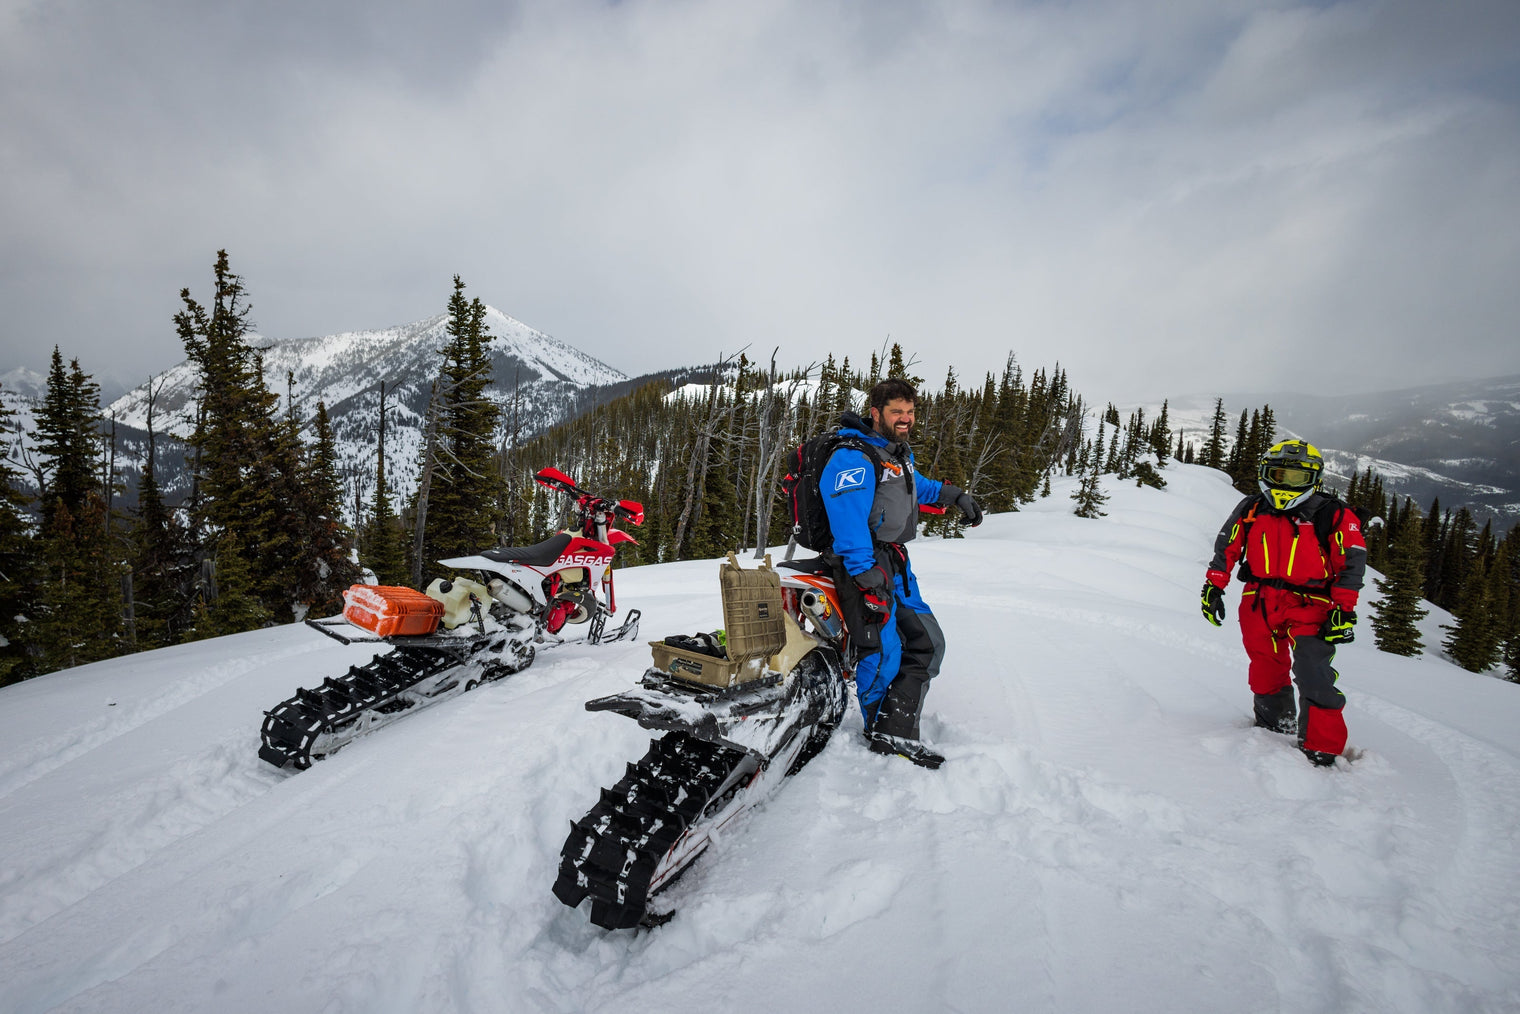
(1108, 834)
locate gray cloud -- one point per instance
(1169, 197)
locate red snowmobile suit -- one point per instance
(1292, 581)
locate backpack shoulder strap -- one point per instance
(858, 444)
(1327, 518)
(1256, 501)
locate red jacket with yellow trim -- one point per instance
(1282, 549)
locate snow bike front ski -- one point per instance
(459, 633)
(737, 722)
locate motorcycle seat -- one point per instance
(540, 555)
(812, 565)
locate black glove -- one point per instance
(1213, 603)
(1340, 626)
(953, 496)
(876, 589)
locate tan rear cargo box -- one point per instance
(755, 624)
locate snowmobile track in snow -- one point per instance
(613, 852)
(315, 723)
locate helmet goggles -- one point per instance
(1290, 476)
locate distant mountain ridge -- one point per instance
(537, 380)
(1458, 441)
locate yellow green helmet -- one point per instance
(1289, 473)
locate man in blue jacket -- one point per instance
(872, 493)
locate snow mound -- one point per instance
(1108, 833)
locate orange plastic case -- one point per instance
(385, 610)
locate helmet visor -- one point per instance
(1290, 476)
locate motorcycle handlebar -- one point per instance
(585, 502)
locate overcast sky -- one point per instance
(1173, 197)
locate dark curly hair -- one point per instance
(891, 389)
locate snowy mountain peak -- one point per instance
(24, 382)
(335, 368)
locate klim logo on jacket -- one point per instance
(850, 478)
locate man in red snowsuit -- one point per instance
(1302, 558)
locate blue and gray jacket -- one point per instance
(864, 513)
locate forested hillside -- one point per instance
(261, 534)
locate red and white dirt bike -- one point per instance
(489, 629)
(555, 580)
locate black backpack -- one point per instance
(1326, 518)
(810, 521)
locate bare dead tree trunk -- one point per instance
(696, 468)
(108, 492)
(195, 472)
(507, 527)
(425, 483)
(777, 433)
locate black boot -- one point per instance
(899, 710)
(912, 749)
(1318, 759)
(894, 730)
(1277, 712)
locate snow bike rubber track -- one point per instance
(417, 672)
(612, 853)
(646, 830)
(315, 723)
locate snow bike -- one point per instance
(489, 629)
(737, 722)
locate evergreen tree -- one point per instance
(159, 561)
(1146, 475)
(384, 541)
(68, 432)
(1213, 451)
(1435, 539)
(1161, 436)
(896, 367)
(1089, 495)
(18, 566)
(1458, 559)
(79, 598)
(465, 481)
(231, 603)
(244, 477)
(1477, 637)
(1507, 585)
(324, 567)
(79, 615)
(1394, 622)
(1235, 463)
